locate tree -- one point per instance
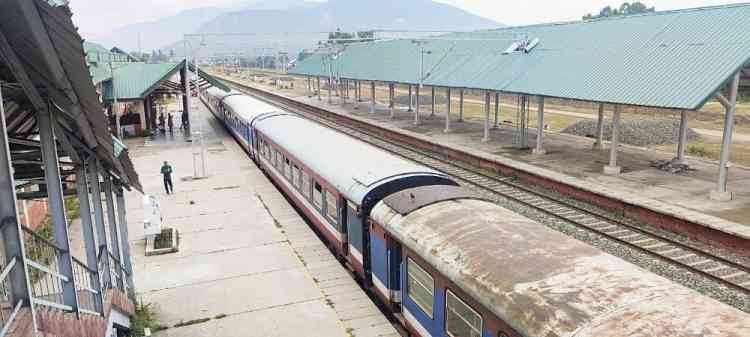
(627, 8)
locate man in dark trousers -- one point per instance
(166, 171)
(170, 124)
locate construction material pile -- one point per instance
(638, 132)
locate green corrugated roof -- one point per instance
(136, 80)
(675, 59)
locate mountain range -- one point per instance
(278, 24)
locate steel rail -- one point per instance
(646, 241)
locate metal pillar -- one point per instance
(539, 149)
(416, 109)
(461, 105)
(330, 87)
(185, 97)
(447, 111)
(124, 238)
(599, 144)
(372, 94)
(391, 102)
(612, 168)
(356, 94)
(497, 110)
(317, 80)
(432, 113)
(82, 186)
(721, 193)
(682, 141)
(10, 227)
(114, 236)
(411, 98)
(487, 103)
(101, 232)
(56, 205)
(522, 125)
(309, 87)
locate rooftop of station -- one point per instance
(673, 59)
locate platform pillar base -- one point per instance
(720, 196)
(538, 152)
(612, 170)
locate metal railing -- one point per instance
(46, 281)
(8, 312)
(86, 289)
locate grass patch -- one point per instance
(144, 317)
(72, 208)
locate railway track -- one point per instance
(711, 266)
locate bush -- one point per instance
(698, 150)
(144, 317)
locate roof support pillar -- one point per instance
(114, 237)
(447, 111)
(522, 137)
(317, 80)
(682, 141)
(487, 103)
(309, 87)
(101, 232)
(125, 241)
(186, 96)
(82, 186)
(372, 95)
(56, 205)
(612, 168)
(356, 94)
(432, 113)
(12, 234)
(599, 144)
(416, 109)
(411, 99)
(344, 91)
(721, 193)
(391, 102)
(461, 105)
(329, 80)
(539, 149)
(497, 111)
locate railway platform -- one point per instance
(572, 161)
(248, 264)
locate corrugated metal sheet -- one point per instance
(133, 80)
(675, 59)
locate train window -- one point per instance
(420, 287)
(295, 176)
(331, 207)
(460, 319)
(305, 184)
(317, 196)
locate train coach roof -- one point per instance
(247, 107)
(506, 263)
(353, 167)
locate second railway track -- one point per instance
(717, 268)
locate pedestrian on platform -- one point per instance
(166, 171)
(184, 121)
(170, 123)
(161, 122)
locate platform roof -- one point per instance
(672, 59)
(43, 66)
(135, 81)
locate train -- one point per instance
(446, 263)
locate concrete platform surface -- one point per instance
(248, 263)
(572, 160)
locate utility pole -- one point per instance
(118, 131)
(421, 75)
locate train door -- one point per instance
(355, 233)
(394, 271)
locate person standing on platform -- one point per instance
(170, 123)
(162, 127)
(166, 171)
(184, 121)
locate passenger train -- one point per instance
(447, 263)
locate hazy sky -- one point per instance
(97, 16)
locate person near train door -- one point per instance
(166, 172)
(170, 123)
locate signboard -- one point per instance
(151, 216)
